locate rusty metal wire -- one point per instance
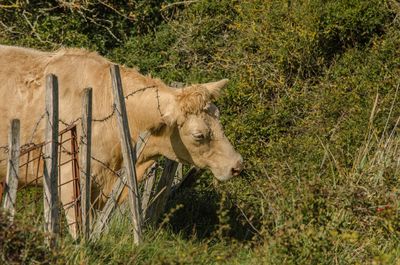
(139, 90)
(31, 143)
(71, 123)
(158, 102)
(31, 175)
(113, 107)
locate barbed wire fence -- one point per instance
(36, 167)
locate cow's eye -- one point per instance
(199, 136)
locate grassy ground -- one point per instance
(312, 105)
(348, 216)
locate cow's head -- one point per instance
(196, 135)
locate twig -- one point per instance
(389, 115)
(16, 5)
(179, 3)
(332, 157)
(32, 28)
(9, 29)
(105, 27)
(115, 10)
(248, 220)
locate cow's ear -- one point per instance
(192, 99)
(214, 88)
(166, 115)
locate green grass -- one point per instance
(159, 247)
(343, 216)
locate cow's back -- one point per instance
(21, 72)
(22, 89)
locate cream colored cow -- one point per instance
(184, 124)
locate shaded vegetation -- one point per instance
(312, 106)
(22, 243)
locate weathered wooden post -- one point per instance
(128, 153)
(148, 190)
(85, 157)
(162, 191)
(105, 215)
(112, 202)
(50, 183)
(11, 184)
(179, 173)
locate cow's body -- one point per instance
(174, 117)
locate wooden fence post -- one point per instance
(162, 192)
(119, 185)
(50, 181)
(178, 176)
(148, 190)
(109, 207)
(128, 153)
(11, 184)
(85, 155)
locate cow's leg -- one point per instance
(68, 197)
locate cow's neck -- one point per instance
(147, 109)
(148, 101)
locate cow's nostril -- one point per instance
(235, 172)
(237, 169)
